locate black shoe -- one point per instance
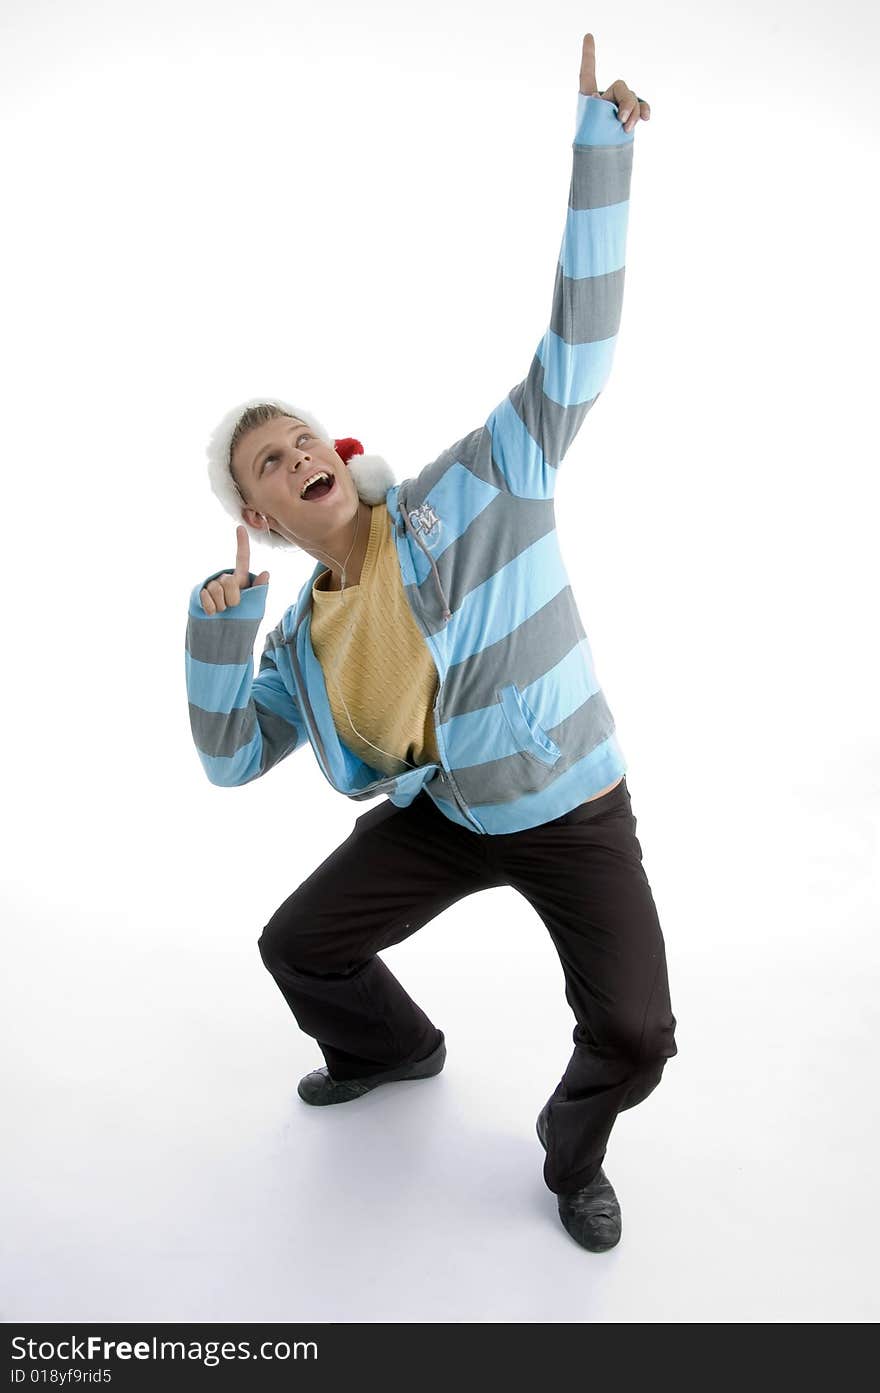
(320, 1089)
(590, 1215)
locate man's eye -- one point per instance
(269, 458)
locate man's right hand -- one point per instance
(225, 591)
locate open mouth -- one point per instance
(318, 487)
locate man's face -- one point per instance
(271, 464)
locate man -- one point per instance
(443, 636)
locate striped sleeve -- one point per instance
(241, 725)
(532, 429)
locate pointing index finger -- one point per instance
(242, 553)
(588, 67)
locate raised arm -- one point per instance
(532, 429)
(241, 725)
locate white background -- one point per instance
(360, 209)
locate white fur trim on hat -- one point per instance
(372, 474)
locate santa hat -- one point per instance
(372, 474)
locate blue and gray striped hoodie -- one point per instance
(523, 729)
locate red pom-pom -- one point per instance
(347, 447)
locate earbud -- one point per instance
(292, 533)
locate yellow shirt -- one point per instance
(375, 658)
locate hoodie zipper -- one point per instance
(447, 615)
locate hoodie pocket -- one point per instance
(530, 735)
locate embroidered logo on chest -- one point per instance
(424, 518)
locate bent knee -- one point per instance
(658, 1042)
(297, 946)
(283, 945)
(643, 1045)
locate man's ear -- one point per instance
(253, 518)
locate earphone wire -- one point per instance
(343, 564)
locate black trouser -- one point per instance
(400, 867)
